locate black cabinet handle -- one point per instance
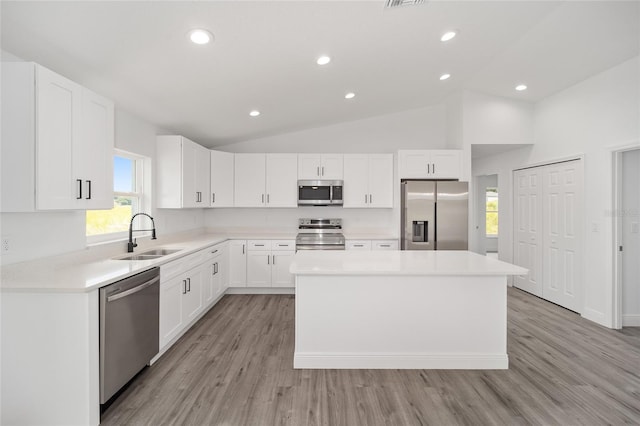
(79, 197)
(184, 286)
(213, 197)
(89, 188)
(189, 285)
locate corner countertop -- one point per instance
(397, 262)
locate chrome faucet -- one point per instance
(132, 243)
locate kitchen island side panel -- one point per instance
(456, 322)
(50, 359)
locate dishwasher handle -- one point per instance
(133, 290)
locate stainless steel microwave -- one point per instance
(319, 192)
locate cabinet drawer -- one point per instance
(283, 245)
(259, 245)
(215, 251)
(358, 245)
(384, 244)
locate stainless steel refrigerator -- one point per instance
(435, 215)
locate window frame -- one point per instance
(496, 211)
(139, 192)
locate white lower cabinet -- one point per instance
(237, 263)
(214, 283)
(268, 263)
(372, 245)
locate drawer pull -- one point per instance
(215, 251)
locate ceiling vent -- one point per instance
(398, 3)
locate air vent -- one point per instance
(398, 3)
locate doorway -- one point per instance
(628, 237)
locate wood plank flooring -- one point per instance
(234, 367)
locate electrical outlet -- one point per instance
(5, 244)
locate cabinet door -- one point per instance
(216, 278)
(384, 245)
(381, 180)
(280, 275)
(259, 269)
(221, 179)
(356, 180)
(445, 164)
(171, 317)
(95, 151)
(192, 300)
(309, 166)
(249, 180)
(238, 263)
(189, 173)
(413, 164)
(358, 245)
(203, 176)
(331, 166)
(224, 267)
(281, 182)
(208, 286)
(58, 103)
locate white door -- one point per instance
(413, 164)
(356, 180)
(249, 180)
(331, 166)
(189, 173)
(445, 164)
(528, 224)
(208, 284)
(630, 238)
(238, 263)
(192, 300)
(280, 263)
(259, 269)
(381, 180)
(95, 151)
(221, 179)
(171, 318)
(562, 227)
(309, 166)
(203, 176)
(281, 183)
(58, 130)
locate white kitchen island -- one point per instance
(401, 309)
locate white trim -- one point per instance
(448, 361)
(631, 320)
(261, 290)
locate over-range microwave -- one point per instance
(319, 192)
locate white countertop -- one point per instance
(399, 263)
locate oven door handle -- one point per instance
(133, 290)
(319, 247)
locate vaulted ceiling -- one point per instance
(264, 55)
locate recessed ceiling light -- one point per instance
(254, 113)
(445, 76)
(521, 87)
(448, 35)
(200, 36)
(323, 60)
(350, 95)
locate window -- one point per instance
(103, 225)
(492, 212)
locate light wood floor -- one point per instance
(235, 368)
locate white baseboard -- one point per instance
(261, 290)
(631, 320)
(401, 361)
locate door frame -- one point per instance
(616, 154)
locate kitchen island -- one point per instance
(401, 310)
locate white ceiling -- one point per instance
(263, 57)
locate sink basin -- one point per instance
(150, 254)
(159, 252)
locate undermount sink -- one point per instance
(150, 254)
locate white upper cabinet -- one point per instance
(265, 180)
(429, 164)
(221, 179)
(320, 166)
(368, 181)
(57, 142)
(183, 173)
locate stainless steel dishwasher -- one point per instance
(129, 329)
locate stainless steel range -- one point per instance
(320, 234)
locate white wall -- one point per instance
(422, 128)
(590, 118)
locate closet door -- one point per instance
(562, 242)
(528, 228)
